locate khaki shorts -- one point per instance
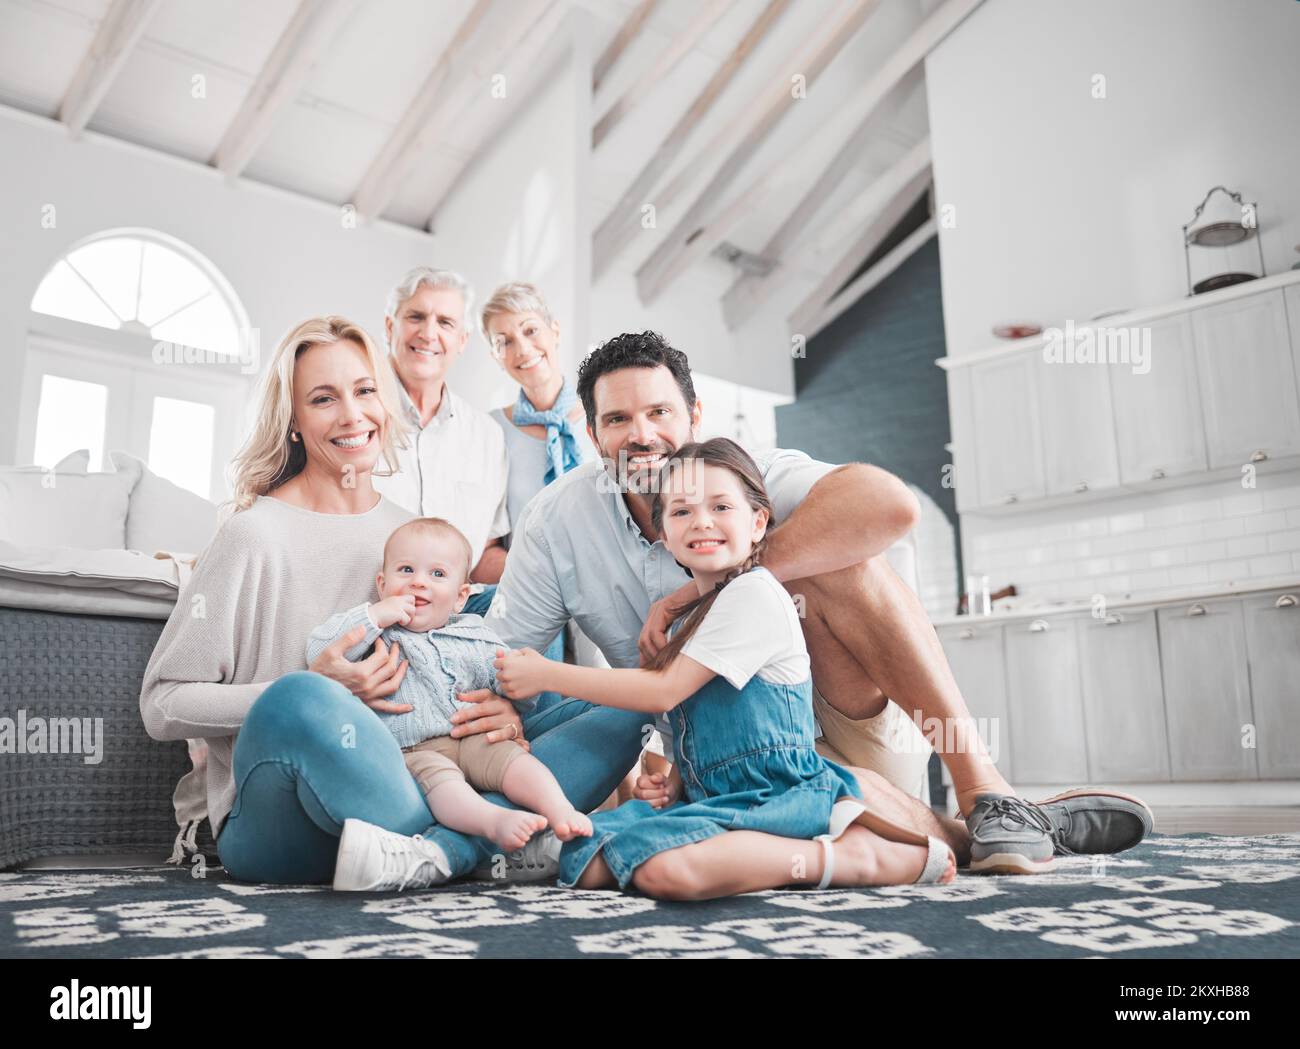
(889, 744)
(473, 758)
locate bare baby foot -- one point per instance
(513, 827)
(570, 824)
(863, 857)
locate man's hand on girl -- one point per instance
(654, 635)
(656, 788)
(371, 679)
(491, 714)
(522, 673)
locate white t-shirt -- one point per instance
(752, 628)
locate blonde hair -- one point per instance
(434, 526)
(516, 297)
(269, 458)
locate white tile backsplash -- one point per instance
(1209, 533)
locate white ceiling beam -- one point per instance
(865, 239)
(463, 71)
(528, 63)
(674, 253)
(741, 298)
(622, 223)
(314, 26)
(120, 30)
(626, 34)
(677, 49)
(889, 262)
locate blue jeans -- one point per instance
(310, 755)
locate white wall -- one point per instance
(689, 315)
(287, 258)
(1066, 205)
(519, 213)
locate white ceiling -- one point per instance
(323, 143)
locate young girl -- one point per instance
(747, 791)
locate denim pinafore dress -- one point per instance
(747, 762)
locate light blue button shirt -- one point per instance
(578, 554)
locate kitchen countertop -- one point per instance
(1019, 608)
(1129, 318)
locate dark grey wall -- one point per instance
(868, 389)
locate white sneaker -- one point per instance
(372, 859)
(538, 860)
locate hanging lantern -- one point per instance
(1242, 225)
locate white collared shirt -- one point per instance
(454, 468)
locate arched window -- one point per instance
(147, 283)
(97, 376)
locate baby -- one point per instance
(423, 586)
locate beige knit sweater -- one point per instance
(271, 574)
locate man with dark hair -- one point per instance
(586, 549)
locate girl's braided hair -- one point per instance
(726, 453)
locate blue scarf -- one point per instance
(561, 445)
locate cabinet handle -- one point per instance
(1011, 498)
(1114, 620)
(1038, 626)
(1196, 610)
(966, 634)
(1082, 486)
(1157, 474)
(1259, 456)
(1286, 601)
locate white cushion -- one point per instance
(41, 507)
(127, 571)
(163, 515)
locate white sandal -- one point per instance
(936, 861)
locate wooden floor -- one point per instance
(1227, 819)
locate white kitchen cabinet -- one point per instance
(962, 426)
(1207, 691)
(1008, 442)
(1273, 645)
(1123, 701)
(975, 655)
(1247, 380)
(1074, 407)
(1046, 708)
(1158, 422)
(1292, 297)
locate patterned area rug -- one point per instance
(1196, 896)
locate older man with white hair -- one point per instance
(455, 465)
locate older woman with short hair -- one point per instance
(546, 431)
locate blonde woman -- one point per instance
(293, 751)
(546, 430)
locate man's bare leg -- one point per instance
(868, 638)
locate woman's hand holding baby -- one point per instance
(370, 680)
(522, 673)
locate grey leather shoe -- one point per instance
(1090, 820)
(1008, 835)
